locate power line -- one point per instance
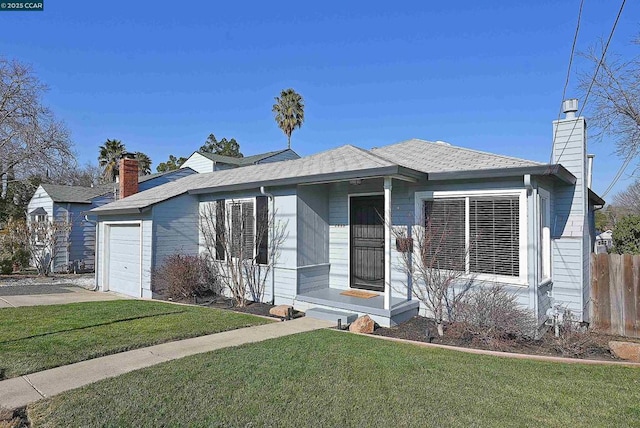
(566, 82)
(593, 79)
(619, 173)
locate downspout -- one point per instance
(273, 231)
(95, 256)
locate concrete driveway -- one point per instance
(50, 294)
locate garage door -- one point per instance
(123, 262)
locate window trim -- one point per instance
(544, 246)
(228, 203)
(522, 278)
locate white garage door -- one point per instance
(123, 262)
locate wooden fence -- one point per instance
(615, 294)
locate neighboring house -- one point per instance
(536, 220)
(71, 203)
(604, 242)
(209, 162)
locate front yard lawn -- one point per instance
(35, 338)
(329, 378)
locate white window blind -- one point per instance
(494, 232)
(492, 245)
(445, 234)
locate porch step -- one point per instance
(329, 315)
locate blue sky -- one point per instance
(483, 75)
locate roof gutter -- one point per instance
(394, 170)
(115, 211)
(558, 171)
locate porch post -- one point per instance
(387, 242)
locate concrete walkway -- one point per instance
(35, 295)
(20, 391)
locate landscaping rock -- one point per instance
(629, 351)
(281, 311)
(364, 324)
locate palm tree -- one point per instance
(289, 112)
(144, 163)
(109, 158)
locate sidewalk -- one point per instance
(20, 391)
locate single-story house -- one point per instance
(72, 203)
(209, 162)
(604, 242)
(341, 207)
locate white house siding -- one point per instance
(570, 227)
(41, 199)
(145, 245)
(175, 228)
(285, 270)
(313, 237)
(286, 275)
(199, 163)
(313, 225)
(78, 253)
(403, 214)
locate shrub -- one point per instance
(6, 266)
(575, 342)
(182, 277)
(626, 235)
(492, 316)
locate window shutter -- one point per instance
(248, 230)
(494, 229)
(236, 229)
(444, 246)
(262, 232)
(220, 227)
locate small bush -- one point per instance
(492, 316)
(6, 266)
(575, 342)
(183, 277)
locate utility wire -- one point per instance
(593, 79)
(619, 173)
(566, 82)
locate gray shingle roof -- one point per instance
(426, 156)
(244, 161)
(410, 158)
(75, 194)
(318, 167)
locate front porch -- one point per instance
(400, 309)
(345, 242)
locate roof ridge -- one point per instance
(370, 153)
(463, 148)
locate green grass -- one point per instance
(35, 338)
(327, 378)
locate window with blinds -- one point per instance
(492, 245)
(494, 234)
(445, 234)
(237, 219)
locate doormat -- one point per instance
(359, 293)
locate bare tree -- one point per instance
(435, 269)
(629, 199)
(243, 247)
(32, 141)
(614, 99)
(43, 240)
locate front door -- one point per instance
(367, 242)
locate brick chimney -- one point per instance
(128, 175)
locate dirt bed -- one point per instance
(590, 345)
